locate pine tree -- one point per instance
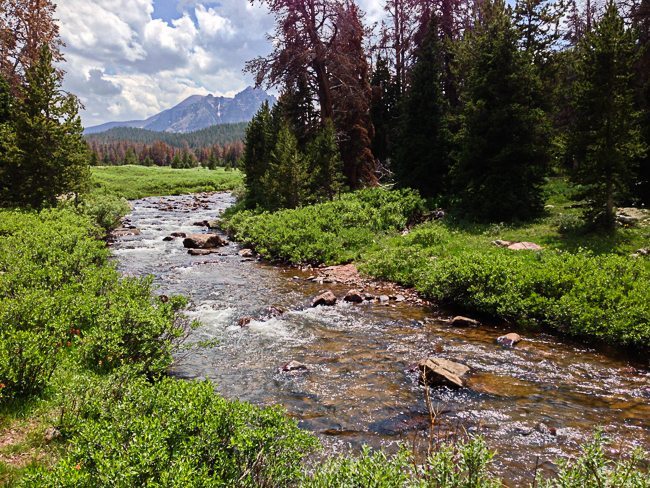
(325, 165)
(504, 134)
(130, 158)
(423, 144)
(641, 23)
(285, 181)
(383, 109)
(9, 152)
(54, 155)
(257, 154)
(605, 139)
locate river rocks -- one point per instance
(353, 296)
(202, 252)
(327, 299)
(384, 299)
(168, 238)
(178, 234)
(442, 372)
(246, 253)
(460, 321)
(509, 340)
(525, 246)
(273, 311)
(244, 321)
(125, 232)
(292, 366)
(203, 241)
(201, 223)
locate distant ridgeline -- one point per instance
(219, 145)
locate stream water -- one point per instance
(534, 403)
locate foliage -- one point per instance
(601, 297)
(51, 157)
(179, 433)
(105, 210)
(133, 182)
(593, 469)
(257, 154)
(59, 293)
(605, 138)
(450, 465)
(422, 150)
(325, 165)
(331, 232)
(503, 143)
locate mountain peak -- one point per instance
(198, 112)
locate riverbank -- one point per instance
(51, 434)
(587, 286)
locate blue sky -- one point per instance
(130, 59)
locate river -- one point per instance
(534, 403)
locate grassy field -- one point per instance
(132, 182)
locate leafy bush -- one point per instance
(58, 292)
(332, 232)
(599, 297)
(179, 433)
(464, 464)
(105, 210)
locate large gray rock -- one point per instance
(204, 241)
(509, 340)
(442, 372)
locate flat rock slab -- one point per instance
(201, 252)
(204, 241)
(347, 273)
(442, 372)
(525, 246)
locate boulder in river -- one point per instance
(168, 238)
(125, 231)
(204, 241)
(327, 298)
(293, 366)
(247, 253)
(442, 372)
(460, 321)
(178, 234)
(201, 223)
(509, 340)
(353, 296)
(244, 321)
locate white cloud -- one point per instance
(124, 64)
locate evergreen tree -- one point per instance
(130, 157)
(605, 139)
(9, 152)
(53, 154)
(423, 144)
(504, 136)
(382, 109)
(325, 165)
(177, 161)
(641, 23)
(285, 181)
(257, 154)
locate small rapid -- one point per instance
(533, 404)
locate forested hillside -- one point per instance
(218, 145)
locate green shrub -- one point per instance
(331, 233)
(592, 469)
(105, 210)
(179, 433)
(451, 465)
(602, 297)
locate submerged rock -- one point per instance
(202, 252)
(246, 253)
(353, 296)
(178, 234)
(327, 299)
(509, 340)
(442, 372)
(293, 366)
(125, 231)
(460, 321)
(168, 238)
(204, 241)
(244, 321)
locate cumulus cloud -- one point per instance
(125, 64)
